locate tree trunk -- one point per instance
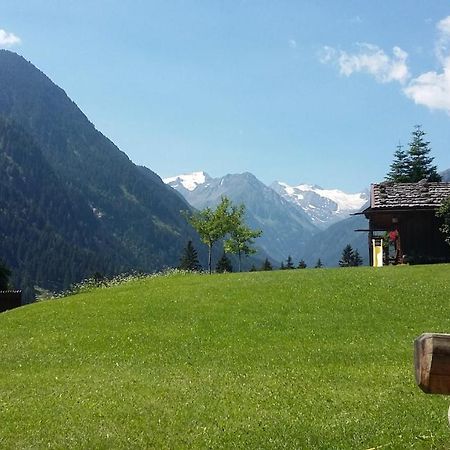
(239, 255)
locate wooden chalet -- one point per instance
(403, 222)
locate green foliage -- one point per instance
(214, 224)
(189, 258)
(416, 164)
(302, 264)
(296, 359)
(241, 237)
(5, 274)
(444, 213)
(266, 265)
(224, 264)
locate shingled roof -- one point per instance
(389, 195)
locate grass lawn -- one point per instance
(289, 359)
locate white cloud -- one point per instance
(432, 89)
(370, 59)
(8, 39)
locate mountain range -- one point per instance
(294, 219)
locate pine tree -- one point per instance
(357, 260)
(319, 264)
(420, 163)
(347, 257)
(189, 258)
(253, 268)
(266, 265)
(289, 263)
(282, 266)
(302, 264)
(400, 167)
(224, 264)
(5, 273)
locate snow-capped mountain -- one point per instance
(188, 181)
(323, 206)
(286, 228)
(300, 221)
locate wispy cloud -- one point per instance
(432, 89)
(8, 39)
(369, 59)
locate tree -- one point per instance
(302, 264)
(189, 258)
(289, 263)
(357, 260)
(5, 273)
(224, 264)
(319, 264)
(241, 236)
(213, 225)
(282, 266)
(266, 265)
(420, 162)
(350, 257)
(347, 257)
(444, 213)
(399, 172)
(415, 164)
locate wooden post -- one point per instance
(432, 363)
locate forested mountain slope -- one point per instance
(74, 192)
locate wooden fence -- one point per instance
(10, 300)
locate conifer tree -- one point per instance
(253, 268)
(400, 167)
(420, 163)
(224, 264)
(289, 263)
(319, 264)
(282, 266)
(347, 257)
(266, 265)
(357, 260)
(189, 258)
(302, 264)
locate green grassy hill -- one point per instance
(288, 359)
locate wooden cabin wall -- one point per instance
(421, 240)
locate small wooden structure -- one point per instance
(405, 213)
(432, 363)
(10, 300)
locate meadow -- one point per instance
(304, 359)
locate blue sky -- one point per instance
(299, 91)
